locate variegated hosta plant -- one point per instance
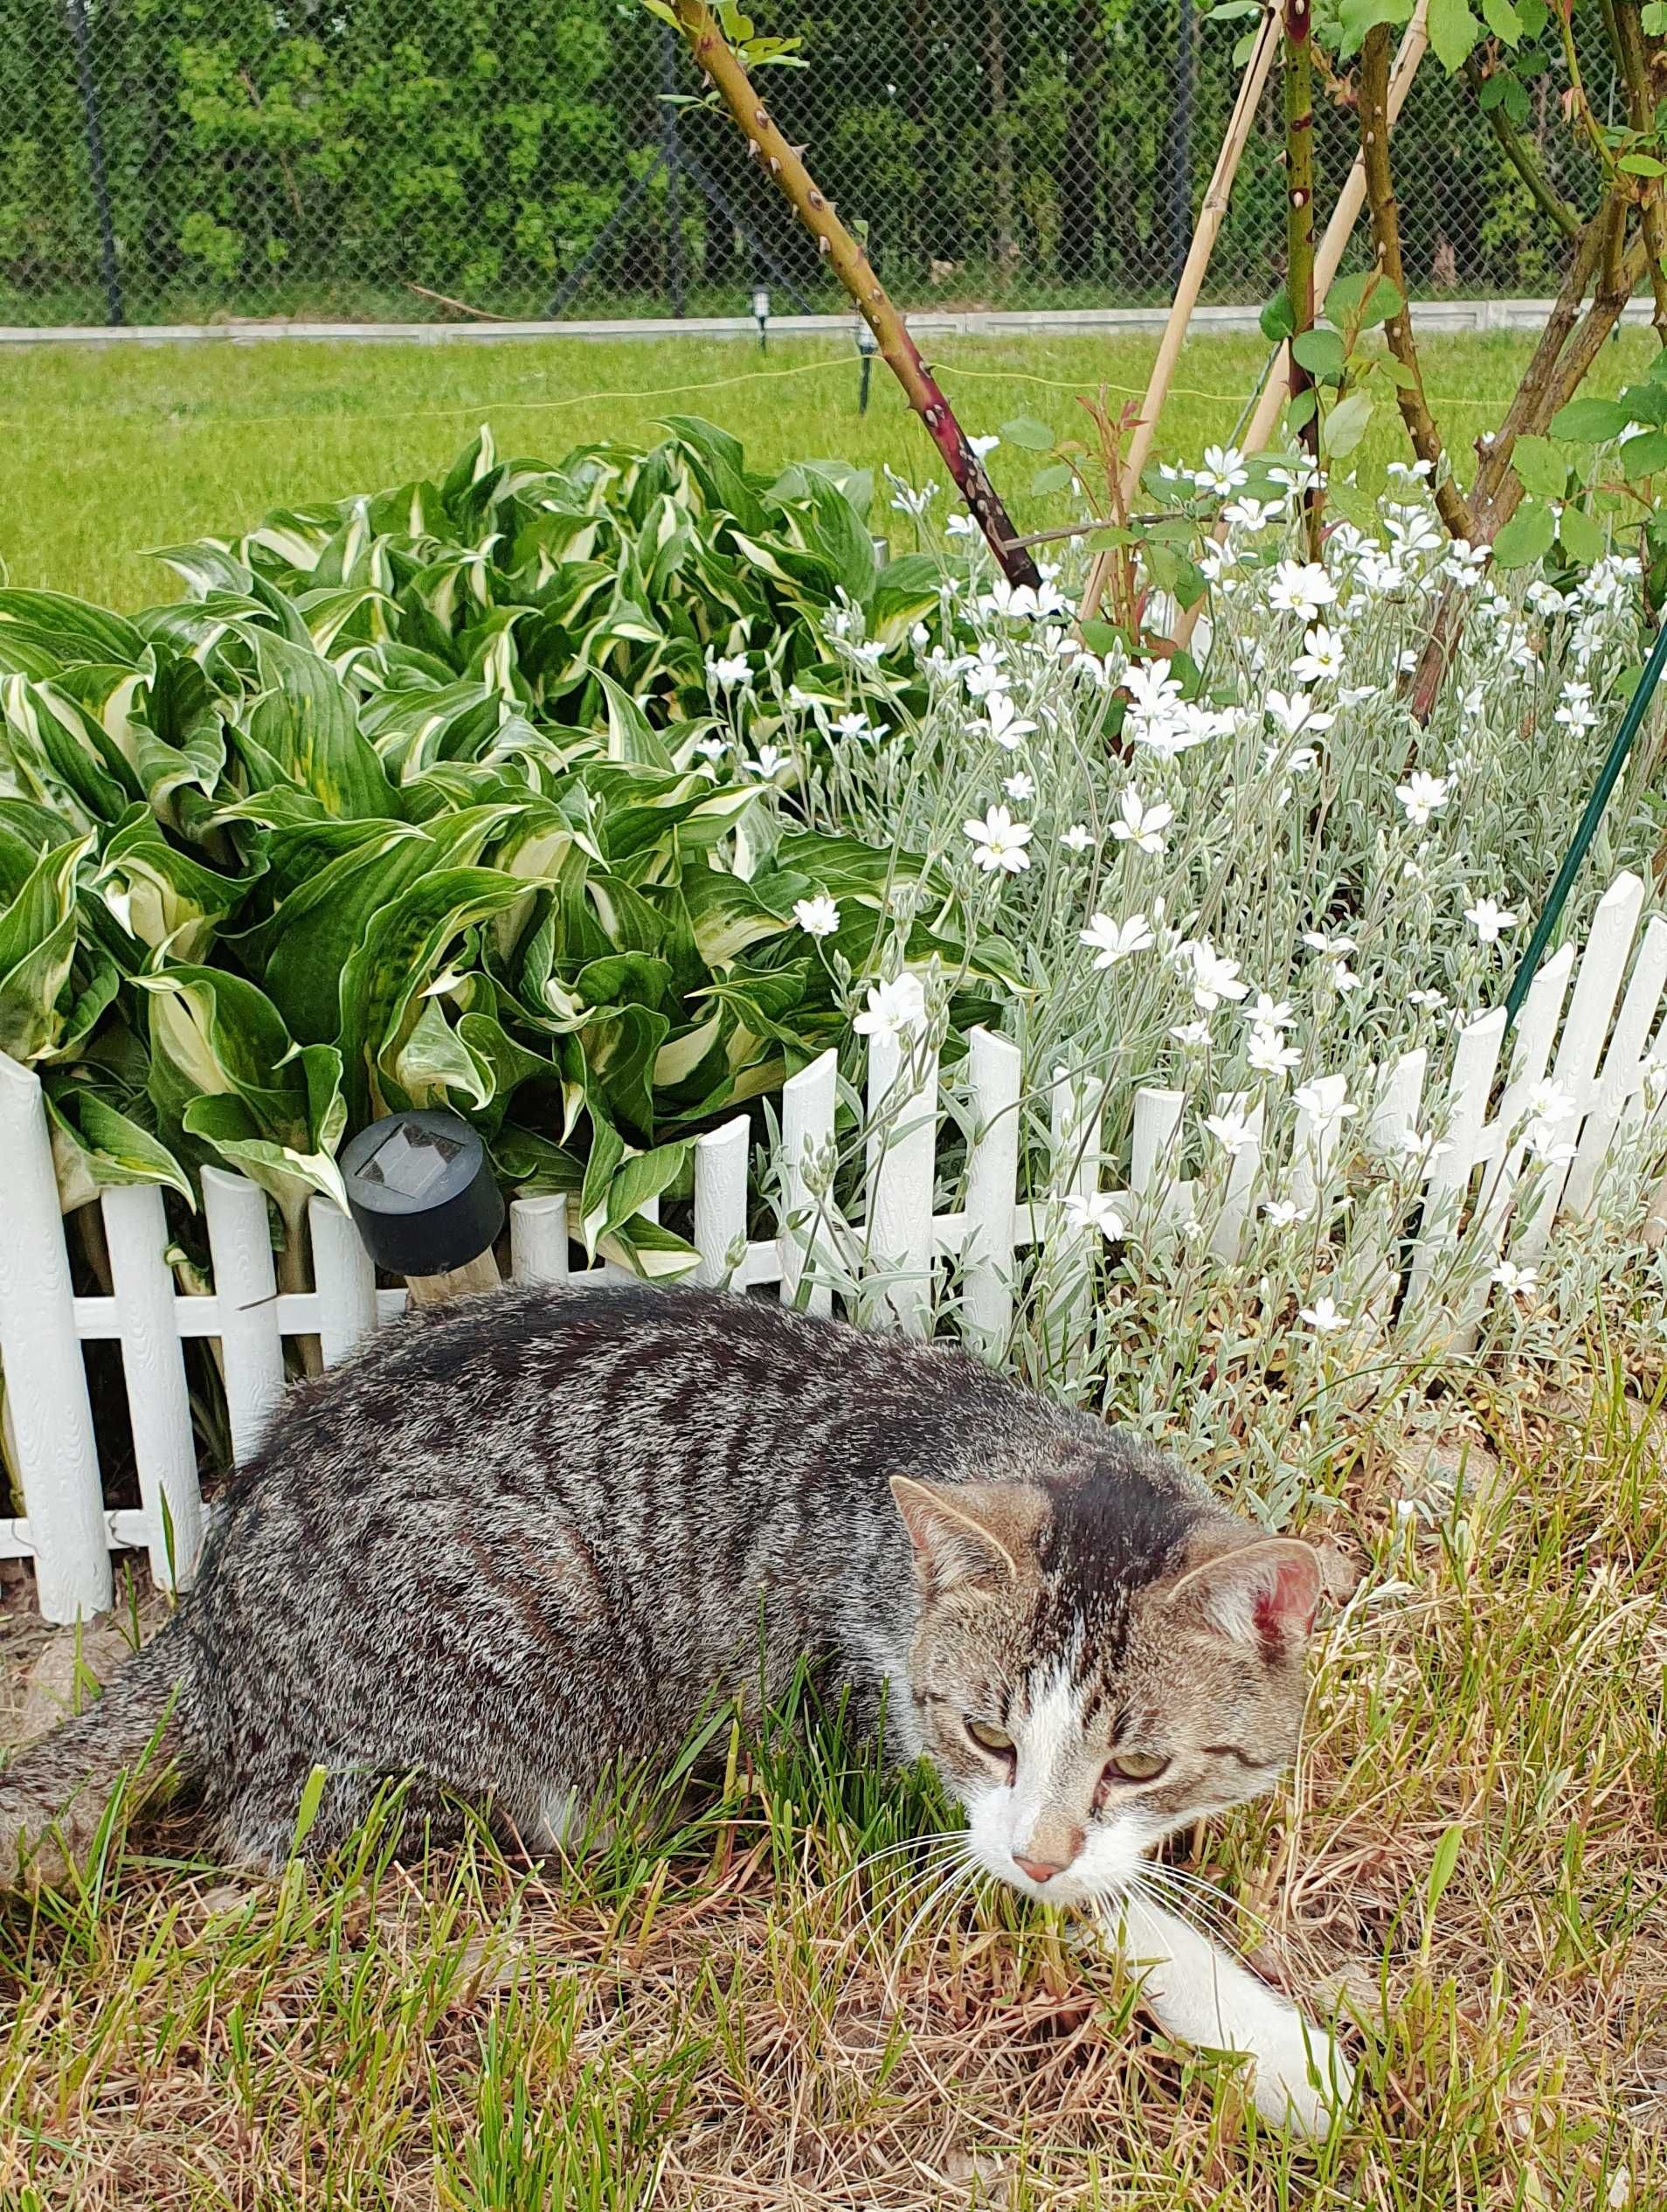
(415, 800)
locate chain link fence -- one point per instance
(183, 160)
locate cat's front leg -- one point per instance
(1200, 1994)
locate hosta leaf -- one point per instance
(305, 724)
(95, 1146)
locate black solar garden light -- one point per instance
(425, 1203)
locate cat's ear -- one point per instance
(962, 1532)
(1264, 1590)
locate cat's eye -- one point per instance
(1135, 1766)
(988, 1737)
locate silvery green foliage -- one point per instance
(1251, 878)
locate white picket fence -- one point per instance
(901, 1246)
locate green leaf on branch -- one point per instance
(1358, 17)
(1583, 539)
(1503, 20)
(1642, 457)
(1345, 425)
(1589, 422)
(1542, 468)
(1320, 352)
(1526, 538)
(1454, 32)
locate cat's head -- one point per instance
(1090, 1672)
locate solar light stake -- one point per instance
(761, 315)
(867, 346)
(426, 1204)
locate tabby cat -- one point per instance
(523, 1537)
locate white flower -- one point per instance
(729, 671)
(1142, 824)
(1281, 1212)
(1267, 1014)
(1301, 587)
(1078, 839)
(1296, 712)
(818, 917)
(1325, 1101)
(1490, 920)
(1231, 1129)
(988, 671)
(1191, 1034)
(1007, 726)
(1114, 940)
(1415, 1144)
(893, 1008)
(981, 448)
(1152, 689)
(1252, 514)
(1323, 1315)
(1516, 1283)
(1021, 786)
(999, 842)
(1223, 471)
(770, 758)
(1422, 795)
(1321, 659)
(1270, 1054)
(1214, 978)
(1096, 1211)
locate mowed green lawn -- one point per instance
(114, 451)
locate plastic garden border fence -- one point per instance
(889, 1265)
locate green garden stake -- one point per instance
(1608, 775)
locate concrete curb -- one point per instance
(1433, 318)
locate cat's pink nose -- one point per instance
(1039, 1871)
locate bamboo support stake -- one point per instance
(1328, 259)
(1211, 216)
(1299, 233)
(849, 262)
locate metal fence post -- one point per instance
(114, 310)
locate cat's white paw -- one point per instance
(1303, 2079)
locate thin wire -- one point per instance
(484, 407)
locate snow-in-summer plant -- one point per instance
(1250, 876)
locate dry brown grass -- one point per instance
(719, 2016)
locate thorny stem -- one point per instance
(849, 263)
(1385, 231)
(1626, 36)
(1522, 158)
(1300, 229)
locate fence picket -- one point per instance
(152, 1365)
(538, 1250)
(1621, 1067)
(246, 1289)
(902, 1170)
(47, 1402)
(1448, 1178)
(721, 1197)
(345, 1277)
(995, 1070)
(1156, 1127)
(808, 1104)
(1228, 1235)
(1597, 985)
